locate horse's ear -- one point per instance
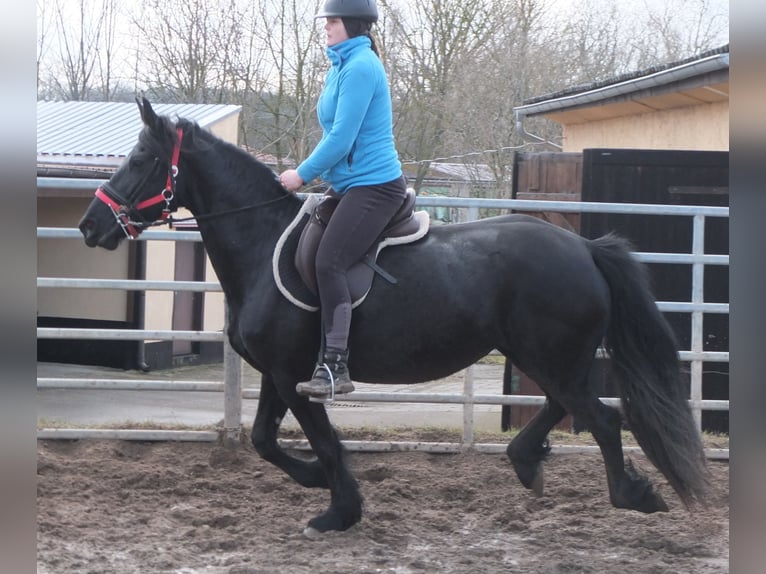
(148, 115)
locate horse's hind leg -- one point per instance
(268, 417)
(627, 488)
(529, 448)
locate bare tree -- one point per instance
(107, 49)
(81, 27)
(242, 59)
(76, 49)
(511, 65)
(425, 45)
(679, 29)
(456, 67)
(456, 94)
(44, 29)
(538, 51)
(592, 44)
(265, 56)
(293, 66)
(184, 45)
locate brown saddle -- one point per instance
(405, 226)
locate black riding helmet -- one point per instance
(362, 9)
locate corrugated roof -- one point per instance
(451, 172)
(107, 129)
(463, 172)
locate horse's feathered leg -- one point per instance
(627, 488)
(529, 448)
(345, 508)
(268, 417)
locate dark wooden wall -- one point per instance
(670, 177)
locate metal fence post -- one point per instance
(468, 408)
(232, 389)
(698, 291)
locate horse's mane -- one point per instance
(199, 140)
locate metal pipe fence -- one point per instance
(231, 386)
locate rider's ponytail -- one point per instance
(359, 27)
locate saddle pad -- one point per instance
(288, 280)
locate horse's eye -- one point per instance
(141, 160)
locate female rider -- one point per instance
(356, 155)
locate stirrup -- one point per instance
(331, 380)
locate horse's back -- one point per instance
(472, 287)
(505, 247)
(543, 265)
(487, 258)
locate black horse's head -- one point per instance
(142, 190)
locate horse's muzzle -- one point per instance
(93, 238)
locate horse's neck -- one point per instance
(240, 244)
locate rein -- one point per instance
(122, 209)
(170, 221)
(204, 217)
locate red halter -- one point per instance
(121, 208)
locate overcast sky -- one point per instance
(558, 10)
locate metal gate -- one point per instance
(231, 387)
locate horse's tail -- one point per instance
(644, 354)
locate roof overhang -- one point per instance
(68, 187)
(698, 82)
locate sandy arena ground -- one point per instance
(200, 508)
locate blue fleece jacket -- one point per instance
(354, 111)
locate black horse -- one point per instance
(544, 297)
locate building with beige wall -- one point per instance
(79, 145)
(655, 136)
(679, 106)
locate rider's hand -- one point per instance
(290, 180)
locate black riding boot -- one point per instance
(332, 370)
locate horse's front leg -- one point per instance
(345, 508)
(268, 417)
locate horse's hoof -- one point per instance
(662, 506)
(537, 482)
(312, 533)
(637, 493)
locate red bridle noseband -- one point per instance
(122, 208)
